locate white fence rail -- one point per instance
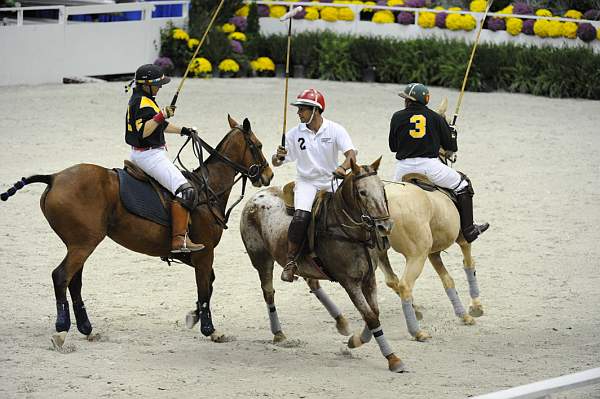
(35, 51)
(544, 389)
(404, 32)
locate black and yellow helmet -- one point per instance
(417, 92)
(150, 74)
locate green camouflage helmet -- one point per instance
(417, 92)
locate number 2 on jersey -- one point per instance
(420, 129)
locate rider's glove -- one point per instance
(187, 131)
(168, 111)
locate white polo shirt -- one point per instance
(316, 154)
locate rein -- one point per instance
(199, 176)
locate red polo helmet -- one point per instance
(311, 98)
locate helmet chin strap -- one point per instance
(312, 115)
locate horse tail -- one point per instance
(46, 179)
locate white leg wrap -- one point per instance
(411, 319)
(385, 348)
(365, 335)
(331, 307)
(455, 300)
(273, 319)
(472, 279)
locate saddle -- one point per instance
(314, 267)
(424, 183)
(143, 196)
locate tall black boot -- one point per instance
(469, 229)
(296, 237)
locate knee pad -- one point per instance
(468, 188)
(298, 227)
(186, 195)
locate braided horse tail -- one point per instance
(46, 179)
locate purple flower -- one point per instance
(495, 24)
(165, 63)
(240, 23)
(382, 2)
(415, 3)
(522, 9)
(236, 47)
(586, 32)
(406, 18)
(528, 27)
(326, 1)
(262, 10)
(300, 14)
(592, 15)
(440, 19)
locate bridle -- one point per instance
(199, 176)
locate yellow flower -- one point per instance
(506, 10)
(455, 9)
(329, 14)
(394, 3)
(555, 28)
(239, 36)
(439, 8)
(243, 11)
(180, 34)
(277, 11)
(229, 65)
(311, 13)
(598, 34)
(542, 12)
(200, 66)
(426, 20)
(573, 14)
(569, 30)
(383, 17)
(369, 3)
(514, 26)
(192, 43)
(468, 22)
(228, 28)
(478, 5)
(540, 27)
(345, 14)
(262, 64)
(453, 22)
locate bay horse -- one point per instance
(82, 205)
(356, 216)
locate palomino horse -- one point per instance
(82, 205)
(355, 216)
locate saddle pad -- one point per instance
(141, 199)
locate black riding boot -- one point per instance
(296, 236)
(469, 229)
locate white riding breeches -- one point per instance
(438, 173)
(305, 191)
(156, 163)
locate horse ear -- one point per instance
(375, 165)
(246, 126)
(232, 122)
(354, 166)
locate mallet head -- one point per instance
(291, 13)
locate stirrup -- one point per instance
(185, 249)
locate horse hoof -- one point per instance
(354, 342)
(191, 319)
(476, 311)
(341, 323)
(422, 336)
(85, 327)
(279, 337)
(395, 365)
(58, 340)
(468, 320)
(219, 337)
(418, 312)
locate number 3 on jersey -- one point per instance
(420, 129)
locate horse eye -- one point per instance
(363, 192)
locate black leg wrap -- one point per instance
(206, 325)
(63, 318)
(83, 323)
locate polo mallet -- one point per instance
(288, 16)
(462, 90)
(196, 52)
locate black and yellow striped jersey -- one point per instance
(142, 108)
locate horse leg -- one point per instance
(341, 323)
(412, 271)
(61, 278)
(371, 319)
(83, 323)
(205, 276)
(392, 280)
(475, 307)
(448, 282)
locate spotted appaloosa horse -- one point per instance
(82, 205)
(356, 215)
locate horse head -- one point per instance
(365, 190)
(244, 148)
